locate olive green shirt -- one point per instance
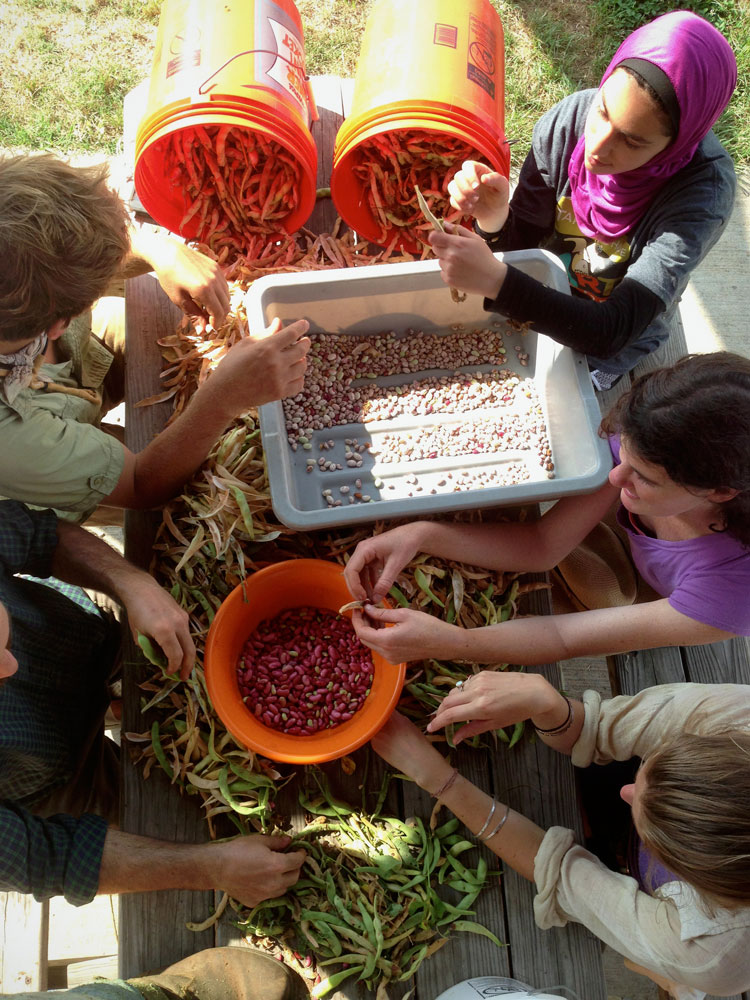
(54, 453)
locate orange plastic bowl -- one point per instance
(292, 584)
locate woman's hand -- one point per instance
(377, 561)
(491, 700)
(402, 745)
(467, 263)
(413, 635)
(478, 190)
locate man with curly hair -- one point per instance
(65, 241)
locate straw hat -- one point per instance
(599, 572)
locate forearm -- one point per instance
(131, 863)
(145, 247)
(525, 546)
(516, 842)
(86, 560)
(171, 458)
(489, 545)
(536, 640)
(591, 327)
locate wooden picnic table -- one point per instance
(532, 778)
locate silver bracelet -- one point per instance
(487, 821)
(498, 828)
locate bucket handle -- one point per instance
(312, 106)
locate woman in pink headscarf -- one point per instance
(627, 184)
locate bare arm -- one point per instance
(84, 559)
(528, 546)
(402, 745)
(192, 281)
(249, 868)
(256, 370)
(535, 640)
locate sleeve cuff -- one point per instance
(556, 844)
(81, 881)
(582, 753)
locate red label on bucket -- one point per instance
(446, 34)
(481, 64)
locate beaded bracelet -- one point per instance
(498, 828)
(564, 726)
(486, 823)
(446, 784)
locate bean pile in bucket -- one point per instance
(392, 164)
(237, 183)
(304, 670)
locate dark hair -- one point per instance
(693, 419)
(665, 118)
(695, 813)
(63, 237)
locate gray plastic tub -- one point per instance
(399, 297)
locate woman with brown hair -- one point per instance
(680, 442)
(682, 913)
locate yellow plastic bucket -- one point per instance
(224, 152)
(431, 76)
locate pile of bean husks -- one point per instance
(391, 165)
(221, 529)
(239, 185)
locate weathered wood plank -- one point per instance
(725, 662)
(330, 103)
(152, 925)
(24, 930)
(632, 672)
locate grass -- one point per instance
(67, 64)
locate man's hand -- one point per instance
(154, 612)
(193, 282)
(255, 868)
(262, 368)
(466, 262)
(250, 869)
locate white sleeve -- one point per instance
(632, 726)
(574, 885)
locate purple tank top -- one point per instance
(647, 870)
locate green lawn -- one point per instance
(67, 64)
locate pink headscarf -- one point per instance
(702, 69)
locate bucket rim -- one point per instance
(410, 115)
(346, 189)
(178, 115)
(291, 138)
